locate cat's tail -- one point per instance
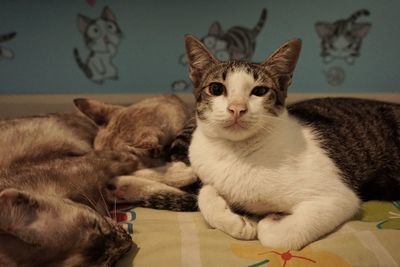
(7, 37)
(357, 14)
(260, 23)
(170, 201)
(81, 64)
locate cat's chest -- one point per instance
(264, 178)
(240, 173)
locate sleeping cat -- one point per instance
(102, 36)
(148, 130)
(51, 181)
(285, 176)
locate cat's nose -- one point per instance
(237, 110)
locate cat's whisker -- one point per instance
(81, 193)
(104, 202)
(115, 209)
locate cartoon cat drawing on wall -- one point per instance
(343, 38)
(102, 37)
(236, 43)
(6, 53)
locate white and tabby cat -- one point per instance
(284, 176)
(102, 36)
(343, 38)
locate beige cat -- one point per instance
(145, 129)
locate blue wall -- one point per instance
(148, 55)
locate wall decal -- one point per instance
(6, 53)
(335, 76)
(91, 2)
(102, 37)
(343, 38)
(236, 43)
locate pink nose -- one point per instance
(237, 110)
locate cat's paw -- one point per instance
(242, 228)
(277, 234)
(217, 213)
(177, 174)
(129, 189)
(121, 189)
(115, 163)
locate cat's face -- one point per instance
(342, 43)
(217, 46)
(235, 100)
(47, 231)
(101, 32)
(142, 129)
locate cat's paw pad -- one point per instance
(119, 189)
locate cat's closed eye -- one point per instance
(216, 89)
(259, 90)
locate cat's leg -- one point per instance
(97, 69)
(148, 193)
(216, 212)
(308, 221)
(176, 174)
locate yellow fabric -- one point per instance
(167, 238)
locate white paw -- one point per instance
(179, 174)
(241, 228)
(277, 234)
(119, 189)
(217, 213)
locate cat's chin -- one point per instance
(236, 133)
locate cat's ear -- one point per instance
(107, 14)
(361, 29)
(282, 62)
(199, 59)
(215, 29)
(97, 111)
(19, 211)
(34, 219)
(83, 23)
(324, 29)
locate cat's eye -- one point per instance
(111, 27)
(259, 90)
(216, 89)
(93, 31)
(209, 41)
